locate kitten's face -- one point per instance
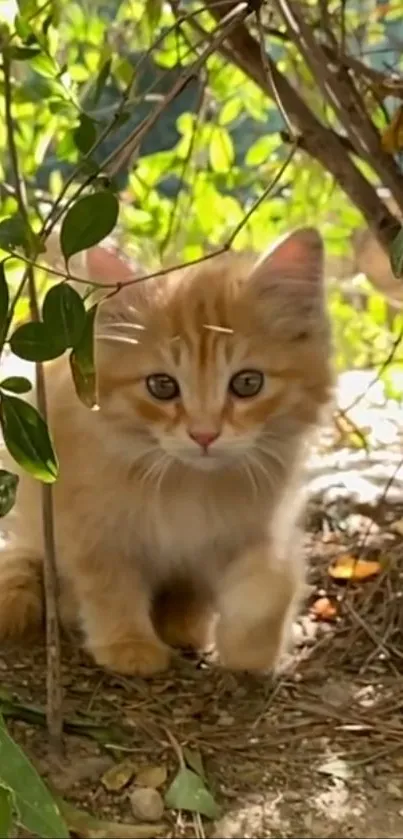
(210, 364)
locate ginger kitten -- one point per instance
(180, 498)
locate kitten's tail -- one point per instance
(21, 594)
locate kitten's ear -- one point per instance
(294, 263)
(105, 264)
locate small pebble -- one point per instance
(147, 804)
(394, 790)
(291, 795)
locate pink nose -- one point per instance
(204, 438)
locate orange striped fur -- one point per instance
(160, 540)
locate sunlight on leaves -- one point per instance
(221, 150)
(27, 438)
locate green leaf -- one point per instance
(85, 134)
(123, 71)
(36, 810)
(17, 384)
(194, 760)
(189, 792)
(261, 151)
(396, 255)
(6, 813)
(88, 221)
(82, 362)
(45, 66)
(4, 301)
(13, 232)
(63, 314)
(8, 490)
(230, 111)
(34, 342)
(23, 53)
(27, 439)
(221, 150)
(153, 10)
(101, 80)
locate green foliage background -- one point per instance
(213, 169)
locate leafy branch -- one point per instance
(12, 409)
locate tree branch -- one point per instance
(339, 89)
(320, 142)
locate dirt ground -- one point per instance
(316, 753)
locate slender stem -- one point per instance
(54, 696)
(54, 691)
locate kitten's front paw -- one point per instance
(255, 650)
(132, 656)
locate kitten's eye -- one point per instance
(246, 383)
(162, 386)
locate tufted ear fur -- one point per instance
(105, 263)
(295, 263)
(288, 282)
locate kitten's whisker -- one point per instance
(247, 468)
(258, 465)
(128, 324)
(119, 339)
(225, 329)
(274, 455)
(157, 469)
(167, 463)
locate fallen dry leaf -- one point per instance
(337, 768)
(348, 567)
(392, 137)
(118, 776)
(151, 776)
(323, 609)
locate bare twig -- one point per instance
(321, 143)
(268, 68)
(176, 747)
(384, 366)
(199, 112)
(119, 157)
(340, 91)
(266, 192)
(54, 695)
(54, 692)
